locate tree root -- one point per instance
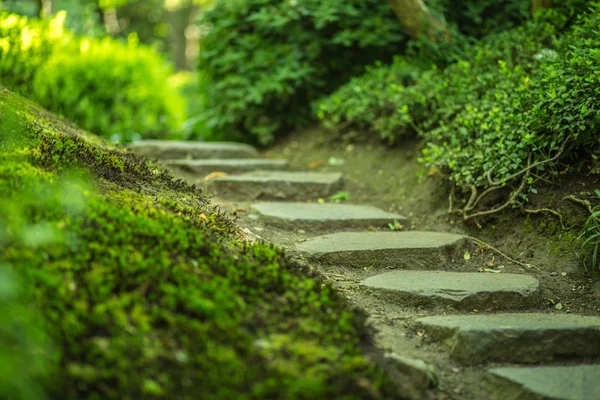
(512, 260)
(475, 198)
(547, 210)
(584, 203)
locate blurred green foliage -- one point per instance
(513, 98)
(147, 290)
(263, 62)
(117, 90)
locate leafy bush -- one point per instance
(149, 292)
(264, 61)
(113, 89)
(493, 116)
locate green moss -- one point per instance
(147, 290)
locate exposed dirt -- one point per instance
(392, 180)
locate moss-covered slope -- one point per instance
(119, 282)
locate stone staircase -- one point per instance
(473, 335)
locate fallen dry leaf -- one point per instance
(316, 164)
(214, 175)
(203, 217)
(433, 171)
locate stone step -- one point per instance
(276, 185)
(462, 290)
(408, 250)
(523, 337)
(578, 382)
(173, 150)
(194, 171)
(314, 216)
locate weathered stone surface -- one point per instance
(580, 382)
(418, 371)
(526, 338)
(460, 289)
(171, 149)
(194, 171)
(408, 250)
(276, 185)
(314, 216)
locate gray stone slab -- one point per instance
(276, 185)
(314, 216)
(523, 337)
(172, 149)
(462, 290)
(194, 171)
(418, 371)
(578, 382)
(408, 250)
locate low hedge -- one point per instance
(516, 98)
(114, 89)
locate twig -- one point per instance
(512, 260)
(584, 203)
(547, 210)
(537, 164)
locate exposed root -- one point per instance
(547, 210)
(584, 203)
(512, 260)
(475, 198)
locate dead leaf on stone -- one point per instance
(214, 175)
(433, 171)
(316, 164)
(239, 209)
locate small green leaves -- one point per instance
(339, 197)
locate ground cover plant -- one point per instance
(135, 286)
(114, 89)
(495, 121)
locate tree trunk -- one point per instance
(537, 4)
(178, 18)
(417, 20)
(111, 21)
(44, 8)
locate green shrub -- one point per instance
(264, 61)
(114, 89)
(149, 292)
(485, 117)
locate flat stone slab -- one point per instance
(464, 290)
(172, 149)
(194, 171)
(579, 382)
(523, 338)
(276, 185)
(314, 216)
(408, 250)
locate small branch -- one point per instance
(537, 164)
(547, 210)
(469, 205)
(512, 260)
(584, 203)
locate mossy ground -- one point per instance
(140, 288)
